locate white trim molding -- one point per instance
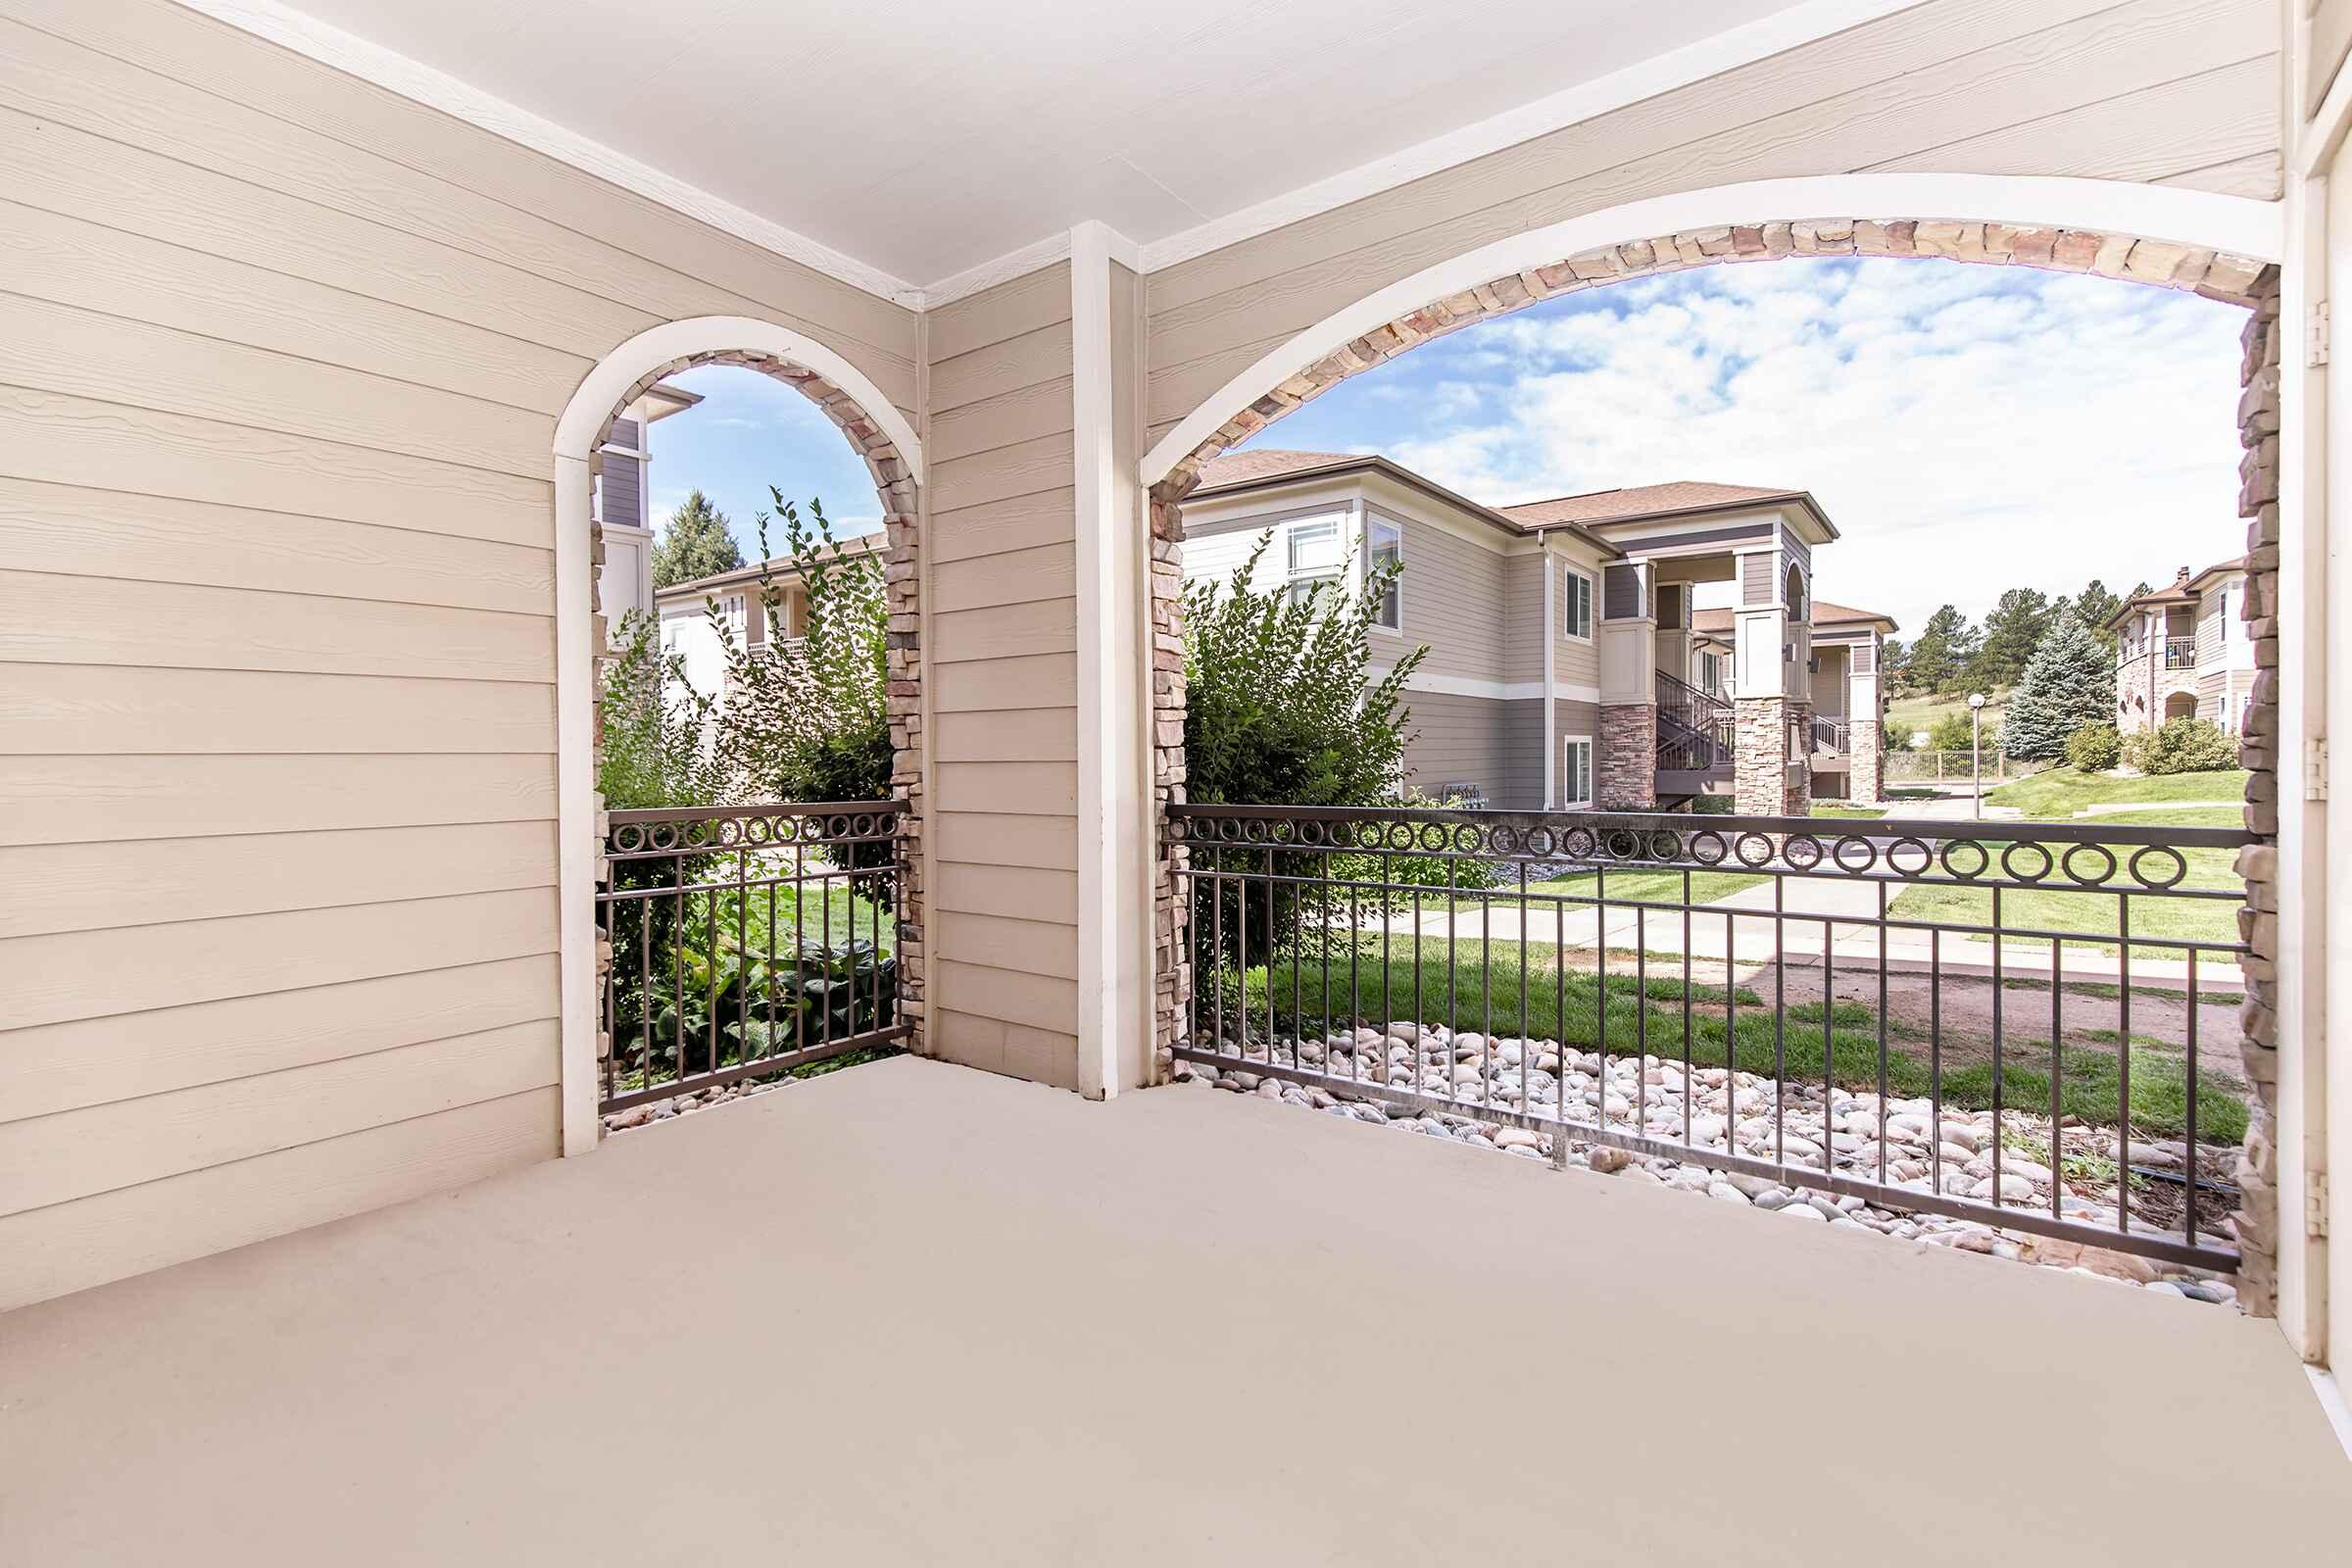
(2238, 224)
(601, 389)
(577, 430)
(420, 82)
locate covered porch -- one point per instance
(916, 1313)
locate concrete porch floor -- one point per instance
(912, 1313)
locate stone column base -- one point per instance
(1763, 783)
(1867, 784)
(1625, 761)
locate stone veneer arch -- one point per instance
(2248, 281)
(893, 455)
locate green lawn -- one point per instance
(1480, 990)
(2064, 792)
(1922, 710)
(1846, 809)
(2058, 796)
(1622, 887)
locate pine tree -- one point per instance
(2069, 682)
(2094, 606)
(2012, 632)
(1939, 657)
(696, 542)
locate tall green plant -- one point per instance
(1281, 709)
(807, 718)
(2067, 683)
(654, 725)
(696, 542)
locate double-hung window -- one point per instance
(1384, 550)
(1576, 601)
(1317, 554)
(1576, 770)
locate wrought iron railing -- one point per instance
(1695, 729)
(747, 941)
(1951, 1019)
(2180, 653)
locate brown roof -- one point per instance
(1270, 463)
(857, 544)
(2182, 590)
(1824, 614)
(1236, 471)
(1643, 501)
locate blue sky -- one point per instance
(751, 431)
(1968, 428)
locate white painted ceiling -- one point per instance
(926, 136)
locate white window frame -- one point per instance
(1374, 526)
(1309, 528)
(1568, 799)
(1568, 602)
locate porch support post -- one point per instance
(1625, 772)
(1116, 865)
(1771, 775)
(1865, 751)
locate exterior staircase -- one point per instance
(1696, 735)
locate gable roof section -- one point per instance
(2182, 590)
(781, 568)
(1240, 472)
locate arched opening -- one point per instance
(1377, 330)
(2180, 705)
(885, 439)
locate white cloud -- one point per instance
(1968, 428)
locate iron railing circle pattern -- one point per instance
(1259, 894)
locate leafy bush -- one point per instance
(2094, 748)
(1952, 733)
(655, 725)
(807, 718)
(2182, 746)
(717, 1004)
(1280, 709)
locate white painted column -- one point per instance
(579, 635)
(1115, 670)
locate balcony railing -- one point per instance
(2180, 653)
(747, 941)
(1695, 729)
(1832, 735)
(1999, 1025)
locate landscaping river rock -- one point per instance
(1899, 1142)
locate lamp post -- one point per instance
(1976, 765)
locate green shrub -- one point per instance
(1281, 709)
(2094, 748)
(2182, 746)
(1952, 733)
(2069, 683)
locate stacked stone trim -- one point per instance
(1171, 912)
(1865, 784)
(1764, 781)
(2258, 748)
(1625, 768)
(2232, 279)
(894, 481)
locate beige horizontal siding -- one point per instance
(281, 359)
(75, 531)
(1900, 89)
(96, 1061)
(60, 709)
(129, 1230)
(1001, 637)
(83, 799)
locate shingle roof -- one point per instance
(1267, 462)
(2182, 590)
(1641, 501)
